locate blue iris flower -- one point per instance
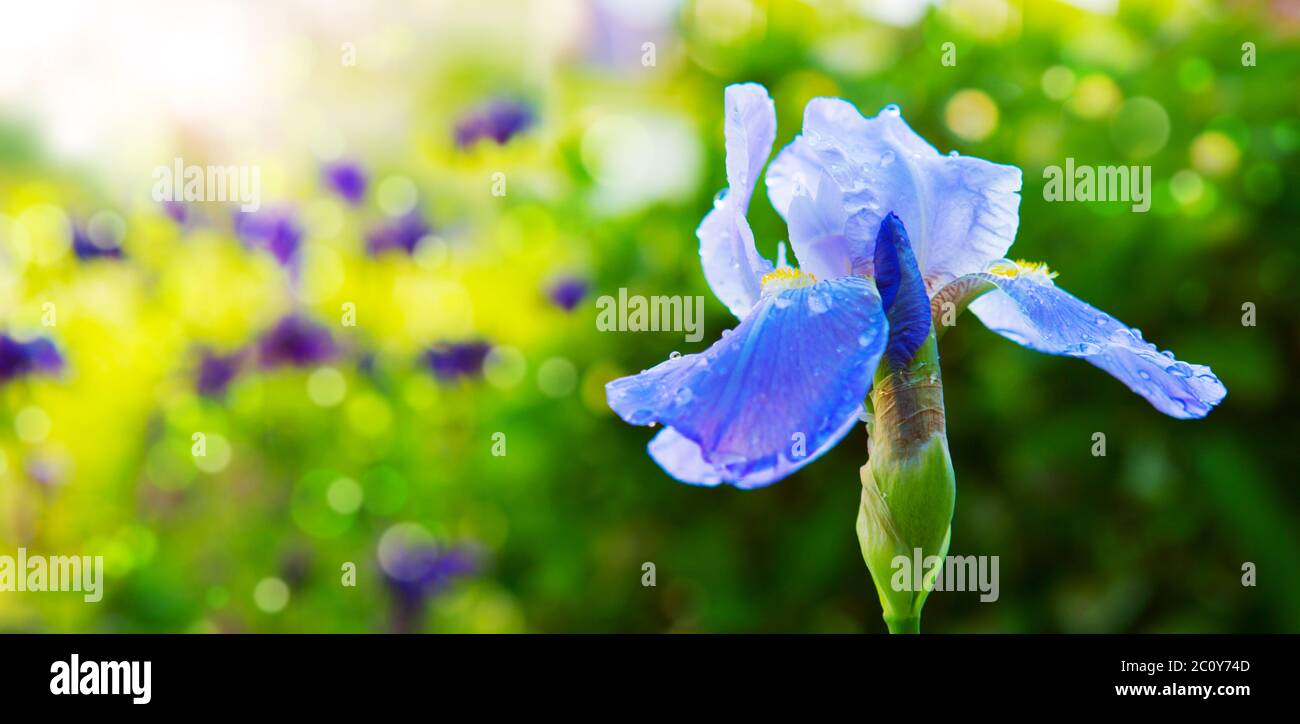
(500, 120)
(19, 358)
(347, 179)
(296, 341)
(886, 229)
(275, 230)
(401, 234)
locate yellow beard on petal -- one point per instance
(1013, 269)
(785, 277)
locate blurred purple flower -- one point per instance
(498, 119)
(275, 230)
(216, 372)
(403, 233)
(177, 210)
(619, 31)
(567, 291)
(49, 473)
(296, 566)
(419, 572)
(452, 361)
(295, 340)
(22, 358)
(347, 179)
(87, 248)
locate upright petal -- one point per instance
(817, 230)
(731, 264)
(749, 125)
(770, 396)
(1027, 307)
(960, 211)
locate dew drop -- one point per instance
(719, 199)
(674, 354)
(893, 109)
(683, 395)
(886, 158)
(817, 303)
(953, 154)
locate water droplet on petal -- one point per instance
(674, 354)
(953, 154)
(886, 158)
(893, 109)
(683, 395)
(818, 303)
(719, 199)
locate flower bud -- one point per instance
(908, 486)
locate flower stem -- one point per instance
(904, 625)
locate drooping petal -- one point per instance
(1028, 308)
(960, 211)
(731, 264)
(902, 292)
(770, 396)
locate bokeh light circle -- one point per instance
(1140, 128)
(271, 595)
(971, 114)
(504, 367)
(556, 377)
(32, 424)
(327, 387)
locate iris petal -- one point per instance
(799, 364)
(960, 211)
(817, 231)
(1032, 311)
(902, 292)
(731, 264)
